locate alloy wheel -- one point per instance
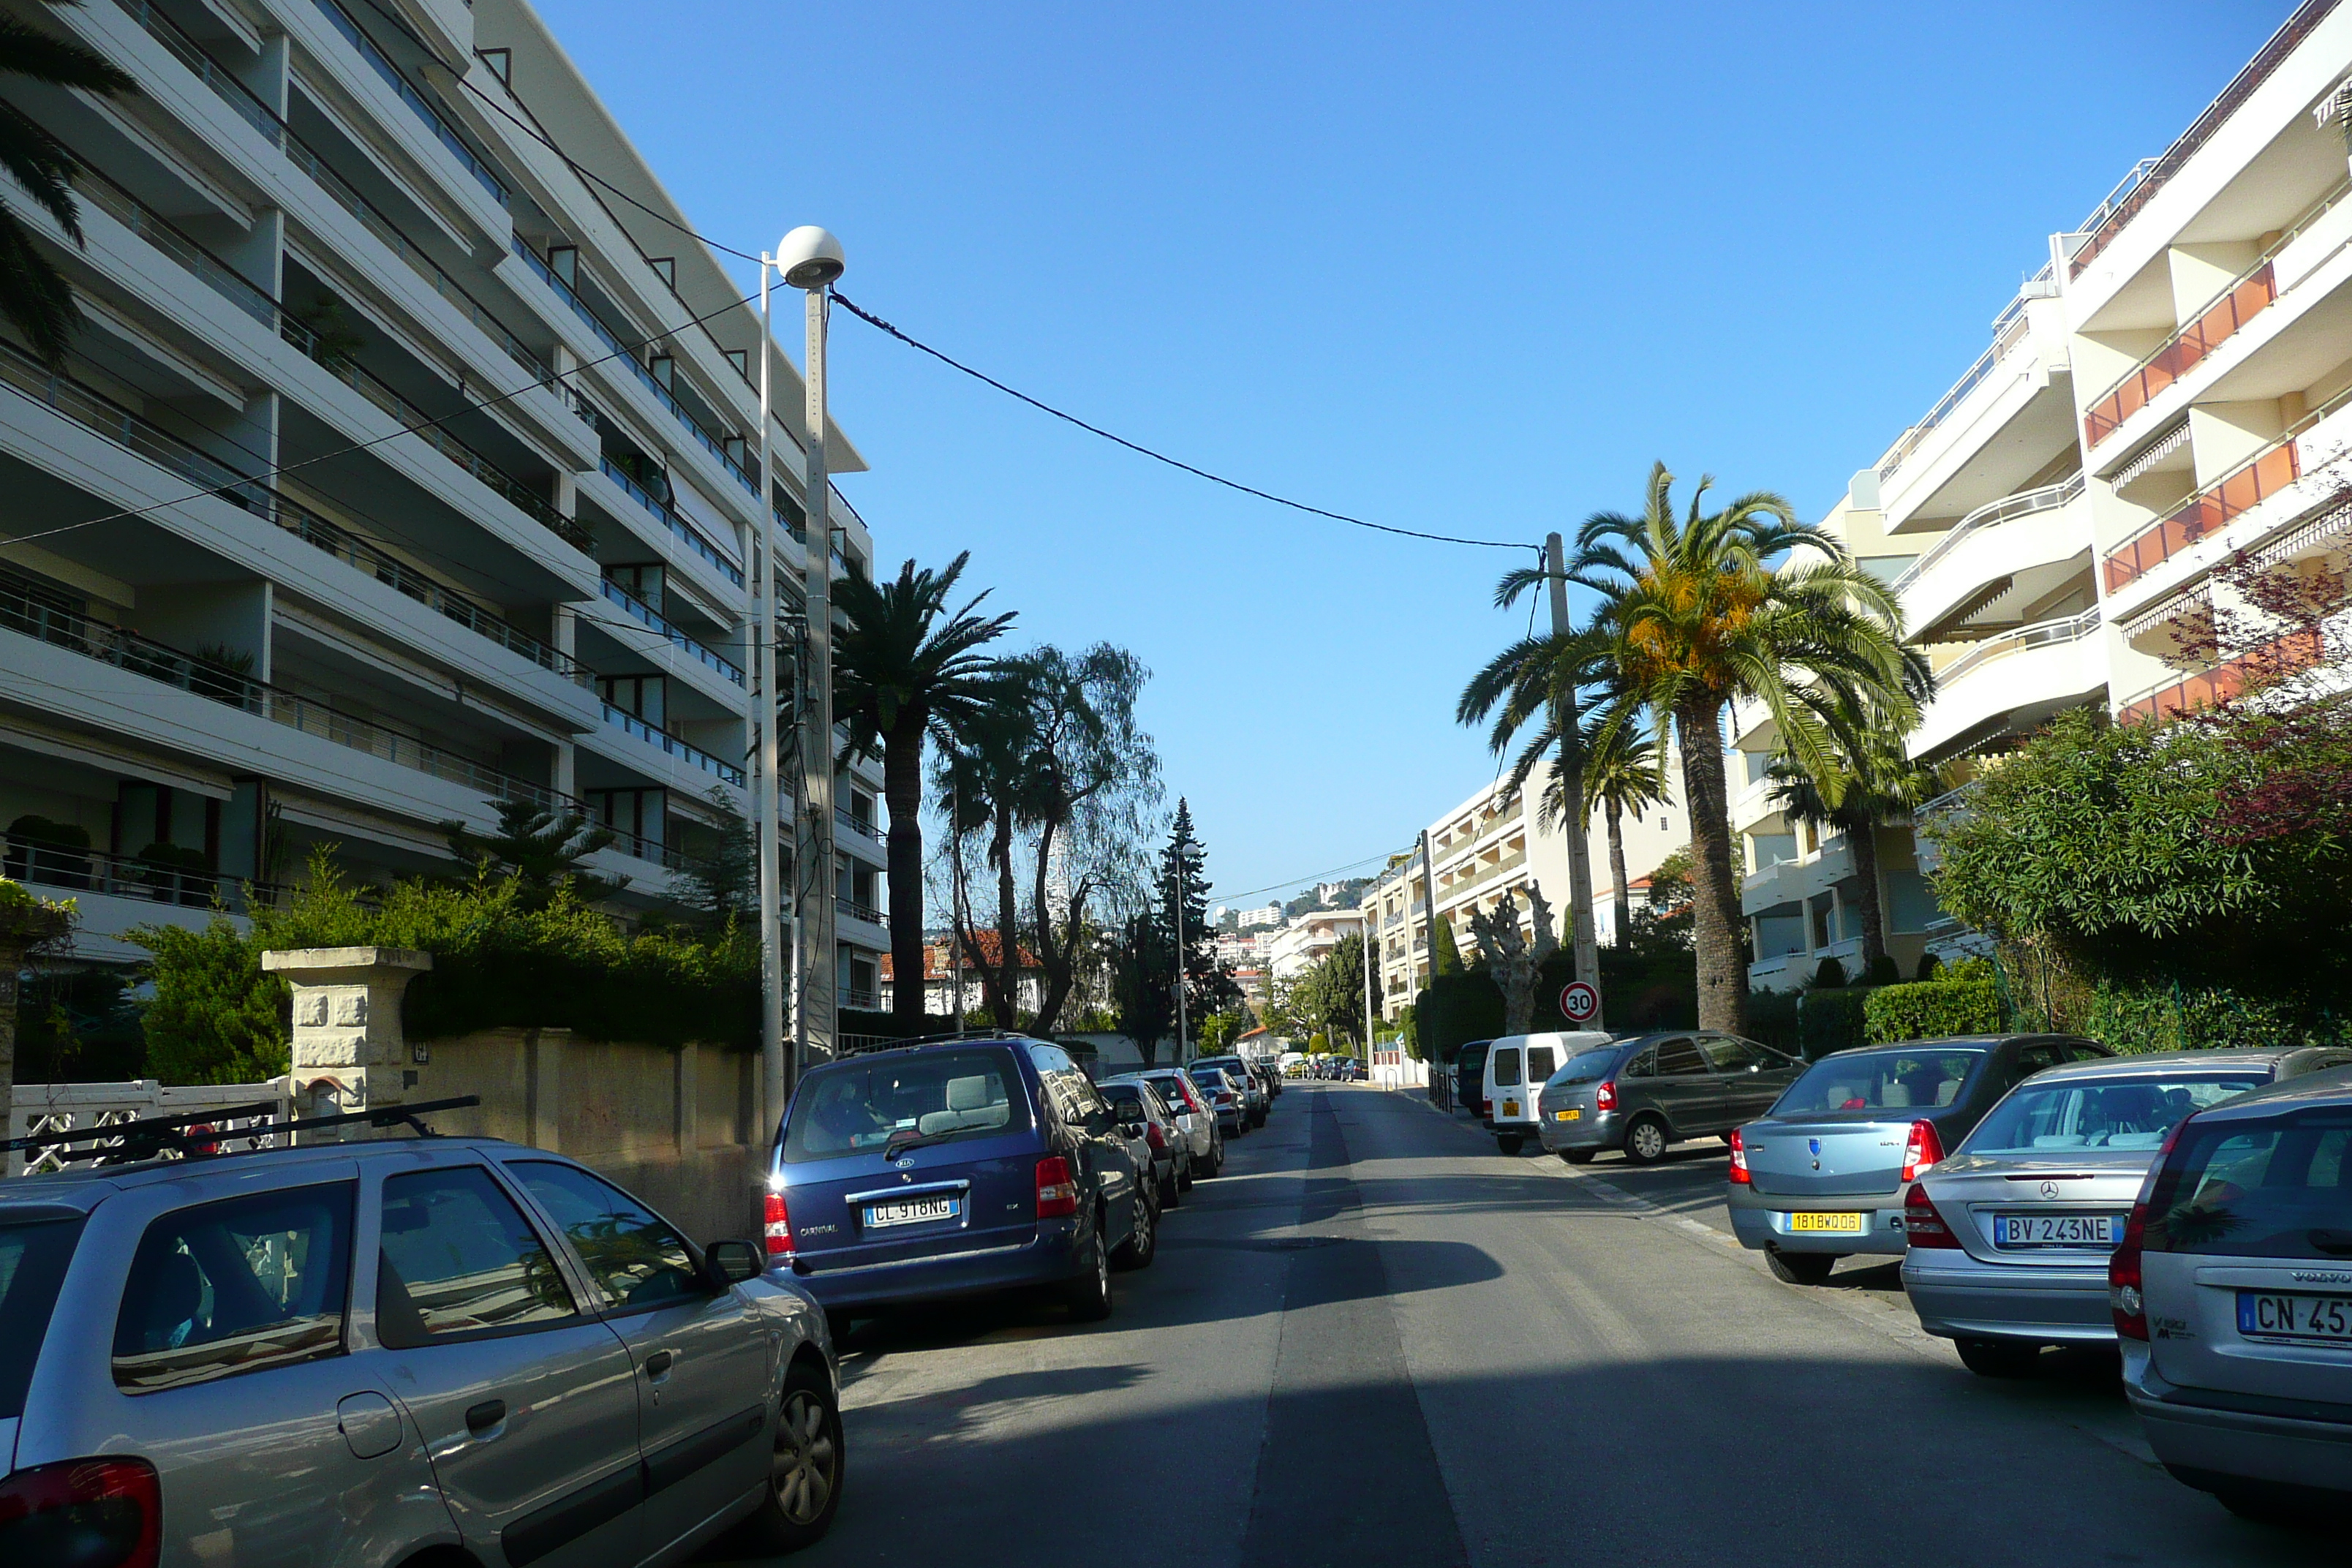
(1647, 1142)
(807, 1461)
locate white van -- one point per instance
(1517, 1067)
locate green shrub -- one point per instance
(1831, 1020)
(1772, 1020)
(1930, 967)
(1455, 1008)
(1829, 976)
(2173, 1019)
(1931, 1010)
(215, 1017)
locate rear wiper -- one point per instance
(907, 1138)
(2335, 1243)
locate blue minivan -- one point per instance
(952, 1169)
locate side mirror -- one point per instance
(733, 1262)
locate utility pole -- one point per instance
(766, 710)
(1365, 938)
(955, 916)
(1429, 904)
(1179, 901)
(1571, 772)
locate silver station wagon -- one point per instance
(374, 1353)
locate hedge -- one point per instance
(1932, 1010)
(1453, 1009)
(1832, 1020)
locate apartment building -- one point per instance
(1308, 941)
(1494, 843)
(2173, 387)
(400, 471)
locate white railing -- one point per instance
(2024, 503)
(2042, 634)
(2009, 334)
(36, 1109)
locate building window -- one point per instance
(639, 814)
(640, 694)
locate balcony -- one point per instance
(645, 616)
(84, 872)
(406, 92)
(2012, 681)
(669, 746)
(679, 528)
(2186, 694)
(1984, 559)
(2238, 304)
(863, 827)
(2011, 331)
(2243, 487)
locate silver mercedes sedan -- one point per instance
(2008, 1238)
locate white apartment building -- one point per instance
(328, 592)
(2173, 387)
(1266, 915)
(1308, 941)
(1494, 843)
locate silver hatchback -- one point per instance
(349, 1354)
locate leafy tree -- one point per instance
(1143, 983)
(1625, 770)
(1208, 984)
(215, 1017)
(1694, 616)
(1444, 953)
(541, 848)
(1867, 782)
(720, 881)
(1330, 997)
(34, 295)
(908, 670)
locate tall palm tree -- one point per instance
(907, 670)
(1744, 603)
(34, 295)
(1624, 770)
(1871, 782)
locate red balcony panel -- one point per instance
(2237, 492)
(2252, 295)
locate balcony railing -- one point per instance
(27, 613)
(2014, 329)
(98, 414)
(122, 876)
(2024, 503)
(399, 83)
(2042, 634)
(863, 826)
(858, 911)
(2140, 188)
(670, 745)
(678, 527)
(645, 614)
(624, 355)
(2240, 303)
(2281, 656)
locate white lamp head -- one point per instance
(809, 257)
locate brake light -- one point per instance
(779, 1225)
(1922, 1150)
(104, 1513)
(1922, 1223)
(1605, 1096)
(2125, 1304)
(1153, 1136)
(1739, 1176)
(1057, 1196)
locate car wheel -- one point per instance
(1578, 1156)
(1509, 1142)
(1185, 1175)
(2266, 1506)
(1999, 1358)
(1217, 1166)
(1645, 1141)
(1089, 1293)
(1171, 1191)
(1143, 1244)
(804, 1474)
(1800, 1267)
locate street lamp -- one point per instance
(807, 259)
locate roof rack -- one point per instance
(945, 1039)
(196, 1134)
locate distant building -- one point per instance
(1269, 915)
(940, 976)
(1308, 941)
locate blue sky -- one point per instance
(1467, 268)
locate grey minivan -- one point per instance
(346, 1355)
(1643, 1093)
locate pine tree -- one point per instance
(540, 848)
(1184, 881)
(1444, 953)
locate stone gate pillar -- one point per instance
(350, 1053)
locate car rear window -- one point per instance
(1908, 1079)
(33, 1258)
(1172, 1092)
(858, 1107)
(2278, 1188)
(1506, 1068)
(233, 1287)
(1540, 1060)
(2102, 1113)
(1586, 1066)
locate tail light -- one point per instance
(1739, 1176)
(93, 1513)
(1922, 1223)
(779, 1225)
(1605, 1096)
(2126, 1298)
(1922, 1150)
(1153, 1136)
(1057, 1196)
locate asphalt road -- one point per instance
(1378, 1340)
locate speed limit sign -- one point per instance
(1579, 1003)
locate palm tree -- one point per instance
(907, 670)
(34, 295)
(1624, 770)
(1696, 616)
(1871, 781)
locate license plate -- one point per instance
(1569, 1115)
(2270, 1315)
(1847, 1223)
(913, 1211)
(2032, 1230)
(1510, 1108)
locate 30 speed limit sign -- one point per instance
(1579, 1003)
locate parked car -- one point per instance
(1255, 1101)
(1641, 1094)
(1823, 1176)
(2009, 1236)
(1470, 1077)
(1194, 1118)
(1272, 1073)
(202, 1365)
(954, 1168)
(1517, 1067)
(1226, 1099)
(1152, 1137)
(2231, 1295)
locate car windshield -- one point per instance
(860, 1107)
(2276, 1188)
(2101, 1113)
(1586, 1066)
(1906, 1078)
(33, 1259)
